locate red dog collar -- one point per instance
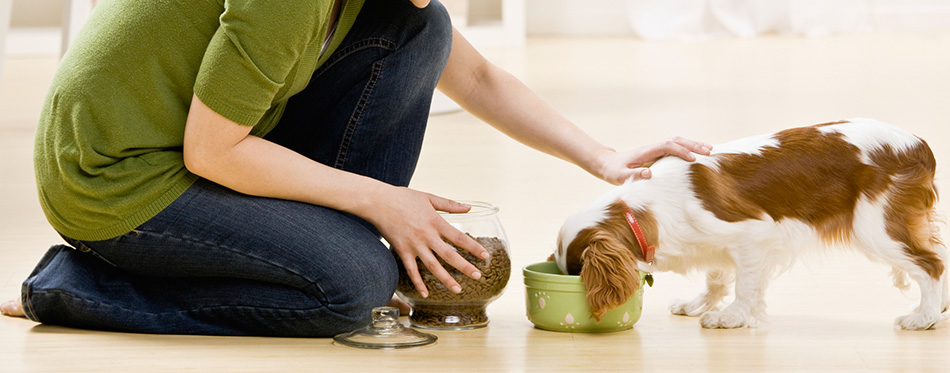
(645, 248)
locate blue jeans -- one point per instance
(219, 262)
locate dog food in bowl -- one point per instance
(443, 309)
(559, 302)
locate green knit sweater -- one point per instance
(108, 151)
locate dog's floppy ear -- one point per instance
(609, 273)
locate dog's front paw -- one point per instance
(693, 307)
(917, 321)
(681, 307)
(724, 320)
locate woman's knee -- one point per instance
(437, 33)
(350, 302)
(367, 281)
(439, 22)
(376, 282)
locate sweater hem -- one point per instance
(133, 221)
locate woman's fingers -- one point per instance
(677, 146)
(403, 307)
(450, 256)
(440, 273)
(463, 241)
(457, 237)
(454, 259)
(685, 148)
(639, 173)
(448, 205)
(697, 147)
(431, 263)
(413, 271)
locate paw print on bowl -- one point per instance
(625, 320)
(541, 299)
(569, 321)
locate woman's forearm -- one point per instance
(224, 152)
(501, 100)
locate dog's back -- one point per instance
(832, 177)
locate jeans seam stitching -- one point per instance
(90, 251)
(354, 47)
(358, 113)
(25, 299)
(28, 285)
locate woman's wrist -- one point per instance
(368, 197)
(599, 163)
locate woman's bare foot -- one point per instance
(398, 303)
(12, 308)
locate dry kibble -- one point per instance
(443, 308)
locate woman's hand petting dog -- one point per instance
(618, 167)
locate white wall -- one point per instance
(609, 17)
(577, 17)
(911, 14)
(582, 17)
(37, 13)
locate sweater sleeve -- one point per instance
(256, 46)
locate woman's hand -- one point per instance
(620, 166)
(409, 221)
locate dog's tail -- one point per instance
(900, 278)
(911, 216)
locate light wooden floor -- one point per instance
(826, 314)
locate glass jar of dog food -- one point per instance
(443, 309)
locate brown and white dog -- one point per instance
(749, 209)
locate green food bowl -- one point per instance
(558, 302)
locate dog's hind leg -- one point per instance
(929, 273)
(717, 288)
(922, 259)
(928, 312)
(902, 235)
(945, 279)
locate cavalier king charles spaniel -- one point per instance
(745, 212)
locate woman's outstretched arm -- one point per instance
(501, 100)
